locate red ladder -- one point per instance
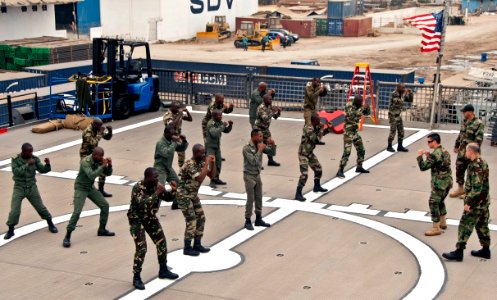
(363, 85)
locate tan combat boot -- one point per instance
(443, 222)
(457, 192)
(435, 230)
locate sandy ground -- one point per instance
(395, 51)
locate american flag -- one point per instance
(431, 28)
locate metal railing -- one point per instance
(16, 108)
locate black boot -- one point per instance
(137, 282)
(401, 148)
(320, 143)
(67, 240)
(104, 232)
(197, 246)
(9, 233)
(390, 148)
(272, 162)
(188, 250)
(483, 252)
(298, 194)
(457, 255)
(248, 224)
(51, 226)
(317, 187)
(260, 222)
(174, 206)
(340, 174)
(217, 181)
(101, 190)
(164, 272)
(360, 169)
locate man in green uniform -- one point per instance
(191, 176)
(252, 157)
(353, 113)
(164, 155)
(441, 181)
(215, 128)
(91, 167)
(265, 41)
(476, 203)
(312, 91)
(397, 99)
(265, 112)
(175, 117)
(24, 167)
(91, 136)
(471, 132)
(146, 197)
(307, 158)
(255, 101)
(217, 103)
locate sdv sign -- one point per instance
(198, 6)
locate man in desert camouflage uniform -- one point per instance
(146, 197)
(441, 181)
(175, 117)
(91, 137)
(353, 112)
(476, 203)
(215, 128)
(191, 177)
(397, 99)
(216, 104)
(307, 158)
(265, 112)
(471, 132)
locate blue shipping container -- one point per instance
(335, 27)
(88, 15)
(339, 9)
(474, 5)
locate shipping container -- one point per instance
(321, 27)
(304, 28)
(88, 12)
(357, 26)
(335, 27)
(339, 9)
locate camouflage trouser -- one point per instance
(33, 195)
(309, 161)
(101, 178)
(79, 201)
(181, 159)
(395, 125)
(348, 140)
(154, 229)
(475, 218)
(219, 163)
(461, 165)
(253, 187)
(437, 203)
(194, 216)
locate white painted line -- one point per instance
(413, 215)
(242, 196)
(355, 208)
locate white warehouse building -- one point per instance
(168, 20)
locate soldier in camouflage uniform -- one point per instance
(353, 113)
(174, 116)
(91, 167)
(216, 104)
(146, 197)
(191, 177)
(307, 158)
(476, 203)
(252, 153)
(397, 99)
(311, 98)
(266, 112)
(255, 101)
(164, 155)
(441, 181)
(91, 136)
(471, 131)
(24, 167)
(215, 128)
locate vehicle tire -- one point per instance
(122, 109)
(154, 103)
(238, 44)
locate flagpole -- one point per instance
(436, 87)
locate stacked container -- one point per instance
(337, 11)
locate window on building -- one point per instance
(34, 7)
(24, 8)
(3, 9)
(44, 7)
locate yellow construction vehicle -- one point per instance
(254, 34)
(215, 31)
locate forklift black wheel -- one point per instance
(122, 110)
(154, 103)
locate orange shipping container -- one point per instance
(357, 26)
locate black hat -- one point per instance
(468, 107)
